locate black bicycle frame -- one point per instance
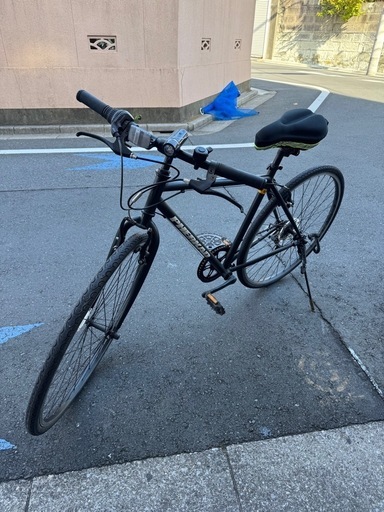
(187, 233)
(156, 202)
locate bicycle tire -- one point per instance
(316, 196)
(80, 346)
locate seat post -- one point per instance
(276, 164)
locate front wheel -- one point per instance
(315, 197)
(88, 332)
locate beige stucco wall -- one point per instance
(224, 21)
(45, 55)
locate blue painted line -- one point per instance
(7, 333)
(108, 162)
(265, 432)
(4, 445)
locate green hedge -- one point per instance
(345, 9)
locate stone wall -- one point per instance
(302, 36)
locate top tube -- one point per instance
(225, 171)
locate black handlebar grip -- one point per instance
(96, 105)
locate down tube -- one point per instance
(183, 229)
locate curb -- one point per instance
(328, 470)
(256, 96)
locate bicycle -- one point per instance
(268, 245)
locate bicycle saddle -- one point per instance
(299, 129)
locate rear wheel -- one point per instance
(315, 197)
(88, 332)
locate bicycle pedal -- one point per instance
(214, 303)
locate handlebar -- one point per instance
(117, 118)
(122, 120)
(96, 105)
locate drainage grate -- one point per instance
(102, 43)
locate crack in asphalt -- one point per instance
(356, 359)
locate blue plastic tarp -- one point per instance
(224, 106)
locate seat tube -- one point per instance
(243, 228)
(286, 210)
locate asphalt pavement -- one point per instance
(314, 444)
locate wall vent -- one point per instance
(205, 44)
(237, 45)
(102, 43)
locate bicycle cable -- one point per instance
(121, 173)
(146, 188)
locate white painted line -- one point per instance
(365, 370)
(318, 101)
(46, 151)
(226, 146)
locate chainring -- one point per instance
(211, 240)
(205, 271)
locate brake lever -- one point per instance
(118, 149)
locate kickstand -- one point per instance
(311, 303)
(303, 256)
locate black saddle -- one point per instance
(298, 129)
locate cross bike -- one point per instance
(270, 242)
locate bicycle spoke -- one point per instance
(87, 344)
(86, 335)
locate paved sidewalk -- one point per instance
(336, 470)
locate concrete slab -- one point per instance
(186, 482)
(324, 471)
(14, 495)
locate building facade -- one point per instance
(161, 58)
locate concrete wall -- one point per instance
(166, 55)
(302, 36)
